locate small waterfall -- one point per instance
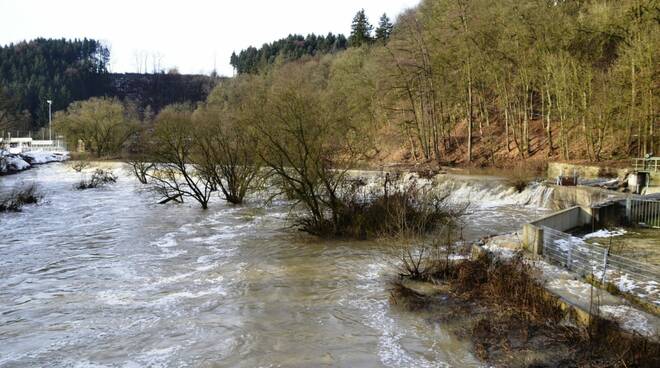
(478, 191)
(494, 193)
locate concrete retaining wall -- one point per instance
(584, 171)
(567, 219)
(567, 197)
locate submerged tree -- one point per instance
(226, 154)
(173, 151)
(309, 142)
(103, 125)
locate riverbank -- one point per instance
(520, 313)
(15, 163)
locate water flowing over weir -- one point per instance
(107, 278)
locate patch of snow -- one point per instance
(604, 233)
(500, 251)
(458, 257)
(625, 284)
(629, 318)
(13, 163)
(10, 162)
(43, 157)
(566, 244)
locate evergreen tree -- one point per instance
(384, 29)
(53, 69)
(360, 30)
(293, 47)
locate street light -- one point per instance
(50, 120)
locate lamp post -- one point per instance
(50, 120)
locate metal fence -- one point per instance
(637, 278)
(646, 164)
(641, 211)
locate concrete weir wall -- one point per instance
(584, 171)
(532, 237)
(567, 197)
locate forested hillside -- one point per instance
(293, 47)
(47, 69)
(154, 91)
(65, 71)
(485, 82)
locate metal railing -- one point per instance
(646, 164)
(643, 211)
(630, 276)
(50, 146)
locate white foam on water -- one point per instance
(166, 241)
(391, 350)
(110, 297)
(173, 279)
(168, 254)
(208, 267)
(212, 239)
(485, 196)
(155, 358)
(173, 298)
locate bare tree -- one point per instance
(174, 175)
(226, 155)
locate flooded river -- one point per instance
(107, 278)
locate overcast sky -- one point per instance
(187, 34)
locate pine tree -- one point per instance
(384, 29)
(360, 30)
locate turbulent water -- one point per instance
(105, 277)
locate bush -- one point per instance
(99, 178)
(79, 166)
(361, 214)
(141, 169)
(14, 201)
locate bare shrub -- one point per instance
(359, 214)
(174, 175)
(79, 166)
(519, 183)
(98, 179)
(226, 154)
(18, 197)
(309, 138)
(141, 169)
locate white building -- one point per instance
(20, 145)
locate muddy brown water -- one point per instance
(107, 278)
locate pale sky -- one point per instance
(187, 34)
